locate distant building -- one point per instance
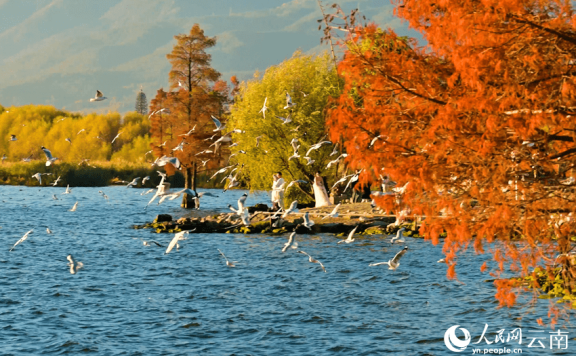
(141, 103)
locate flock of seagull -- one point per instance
(162, 193)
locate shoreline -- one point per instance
(351, 215)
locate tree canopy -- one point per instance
(479, 123)
(310, 81)
(195, 94)
(90, 136)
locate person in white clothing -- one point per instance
(278, 191)
(320, 194)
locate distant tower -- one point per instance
(141, 103)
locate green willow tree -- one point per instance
(310, 81)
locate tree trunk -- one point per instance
(190, 183)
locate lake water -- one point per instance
(134, 300)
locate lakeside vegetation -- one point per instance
(92, 174)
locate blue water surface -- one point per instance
(130, 299)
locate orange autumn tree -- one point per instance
(479, 124)
(195, 94)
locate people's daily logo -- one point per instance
(453, 343)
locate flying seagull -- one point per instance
(81, 131)
(189, 132)
(74, 265)
(147, 178)
(48, 231)
(180, 146)
(68, 190)
(228, 263)
(310, 259)
(310, 161)
(317, 146)
(178, 237)
(219, 126)
(264, 108)
(399, 236)
(307, 222)
(22, 239)
(68, 140)
(290, 242)
(13, 138)
(289, 102)
(74, 207)
(39, 176)
(148, 244)
(56, 181)
(116, 137)
(291, 209)
(133, 183)
(285, 120)
(393, 263)
(99, 96)
(334, 213)
(49, 158)
(350, 235)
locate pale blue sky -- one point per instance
(58, 52)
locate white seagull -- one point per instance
(285, 120)
(290, 242)
(74, 207)
(333, 214)
(219, 126)
(264, 108)
(133, 183)
(22, 239)
(180, 146)
(310, 259)
(116, 137)
(49, 158)
(147, 178)
(393, 263)
(307, 222)
(350, 235)
(335, 150)
(39, 176)
(292, 209)
(48, 231)
(289, 102)
(13, 138)
(317, 146)
(56, 181)
(310, 161)
(68, 140)
(99, 96)
(399, 236)
(74, 265)
(178, 237)
(68, 190)
(79, 132)
(228, 263)
(189, 132)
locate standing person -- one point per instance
(320, 194)
(278, 191)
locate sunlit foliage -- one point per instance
(90, 137)
(310, 81)
(480, 123)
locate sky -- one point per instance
(59, 52)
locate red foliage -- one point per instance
(479, 122)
